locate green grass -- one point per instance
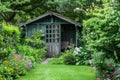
(60, 72)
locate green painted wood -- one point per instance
(31, 29)
(53, 40)
(67, 33)
(49, 20)
(40, 24)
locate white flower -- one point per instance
(76, 50)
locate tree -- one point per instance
(101, 31)
(10, 10)
(22, 10)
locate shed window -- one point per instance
(52, 33)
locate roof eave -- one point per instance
(54, 14)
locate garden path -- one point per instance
(46, 61)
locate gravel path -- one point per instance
(46, 60)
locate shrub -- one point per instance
(105, 67)
(82, 57)
(35, 40)
(57, 60)
(117, 72)
(101, 31)
(9, 37)
(69, 58)
(66, 57)
(36, 55)
(33, 47)
(13, 67)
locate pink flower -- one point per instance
(98, 78)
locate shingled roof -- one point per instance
(54, 14)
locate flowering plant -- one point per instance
(13, 67)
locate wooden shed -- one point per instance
(59, 31)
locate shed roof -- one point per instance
(50, 14)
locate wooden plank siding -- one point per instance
(68, 34)
(67, 31)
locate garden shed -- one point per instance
(59, 31)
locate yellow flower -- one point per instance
(5, 67)
(11, 70)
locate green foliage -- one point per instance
(82, 57)
(36, 55)
(101, 37)
(12, 68)
(73, 9)
(116, 73)
(98, 59)
(59, 60)
(101, 32)
(11, 11)
(56, 61)
(35, 40)
(9, 37)
(21, 10)
(33, 47)
(69, 58)
(66, 57)
(105, 67)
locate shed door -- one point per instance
(53, 40)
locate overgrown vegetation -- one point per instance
(9, 37)
(17, 58)
(70, 58)
(66, 57)
(100, 39)
(101, 36)
(33, 47)
(13, 67)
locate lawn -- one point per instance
(60, 72)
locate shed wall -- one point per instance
(67, 35)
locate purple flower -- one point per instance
(108, 76)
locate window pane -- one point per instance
(53, 40)
(46, 40)
(50, 40)
(46, 26)
(46, 35)
(47, 31)
(50, 31)
(50, 35)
